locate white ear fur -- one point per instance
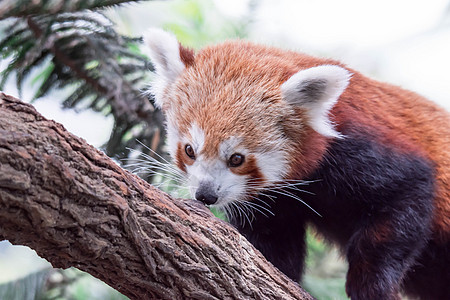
(317, 89)
(165, 56)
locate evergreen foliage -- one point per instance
(80, 51)
(24, 8)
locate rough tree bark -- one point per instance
(76, 207)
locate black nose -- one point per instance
(206, 195)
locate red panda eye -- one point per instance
(189, 151)
(236, 160)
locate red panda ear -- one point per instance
(187, 55)
(168, 58)
(316, 90)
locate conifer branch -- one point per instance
(24, 8)
(106, 72)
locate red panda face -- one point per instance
(233, 118)
(226, 170)
(225, 149)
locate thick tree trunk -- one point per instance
(76, 207)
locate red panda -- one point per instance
(302, 140)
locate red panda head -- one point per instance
(237, 114)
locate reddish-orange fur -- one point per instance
(404, 119)
(251, 169)
(408, 121)
(182, 160)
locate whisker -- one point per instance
(239, 211)
(254, 206)
(151, 159)
(246, 215)
(154, 172)
(152, 151)
(155, 164)
(271, 197)
(167, 176)
(288, 187)
(293, 196)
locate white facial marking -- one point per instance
(273, 165)
(215, 172)
(173, 136)
(317, 90)
(227, 185)
(198, 138)
(230, 146)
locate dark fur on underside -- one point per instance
(376, 204)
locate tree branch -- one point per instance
(23, 8)
(76, 207)
(38, 32)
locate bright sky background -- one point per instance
(405, 42)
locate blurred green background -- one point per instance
(406, 43)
